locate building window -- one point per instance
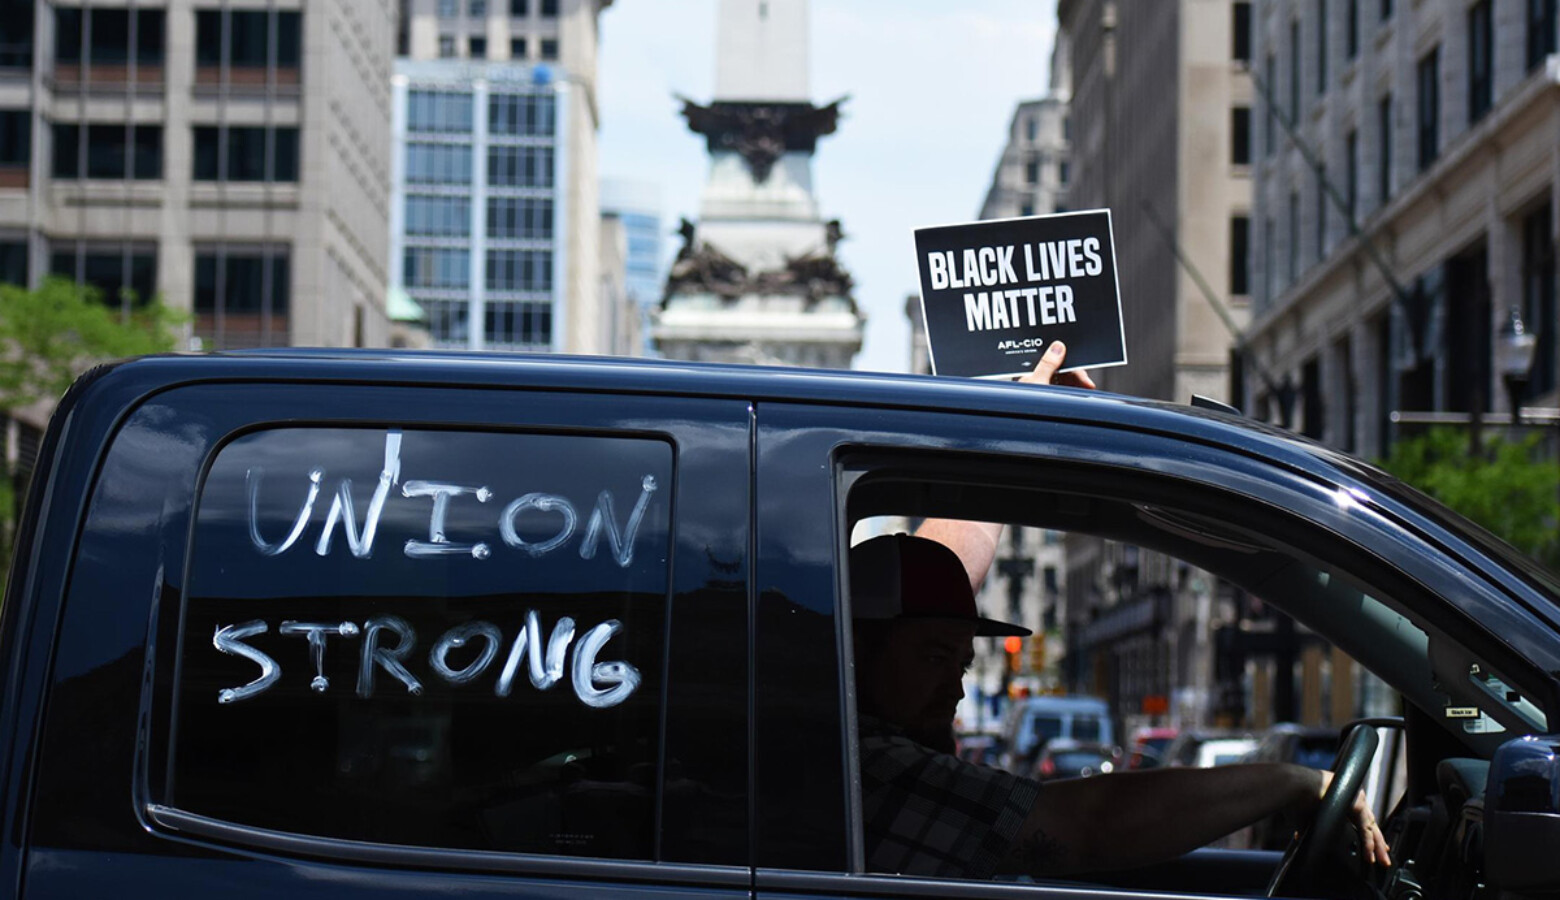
(518, 324)
(1384, 150)
(477, 47)
(1240, 136)
(1031, 129)
(1241, 29)
(519, 9)
(1312, 413)
(549, 49)
(245, 153)
(449, 9)
(1269, 264)
(446, 46)
(242, 296)
(1063, 172)
(1032, 171)
(1538, 297)
(430, 215)
(1321, 213)
(1294, 236)
(1540, 31)
(15, 141)
(1481, 67)
(520, 166)
(517, 48)
(1294, 70)
(1386, 10)
(476, 9)
(256, 40)
(436, 268)
(1066, 128)
(1270, 86)
(438, 163)
(111, 151)
(16, 36)
(123, 276)
(1026, 208)
(1351, 30)
(524, 115)
(438, 111)
(1351, 187)
(1321, 46)
(550, 9)
(108, 37)
(13, 263)
(520, 218)
(1240, 256)
(1429, 132)
(519, 270)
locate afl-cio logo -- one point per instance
(1025, 344)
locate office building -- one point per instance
(1406, 166)
(636, 206)
(232, 160)
(1160, 123)
(495, 220)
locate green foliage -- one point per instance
(1510, 489)
(51, 335)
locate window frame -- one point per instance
(717, 427)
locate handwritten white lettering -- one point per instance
(316, 634)
(599, 685)
(230, 639)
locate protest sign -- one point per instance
(995, 294)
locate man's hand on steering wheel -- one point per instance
(1375, 842)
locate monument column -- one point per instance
(757, 279)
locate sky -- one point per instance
(932, 87)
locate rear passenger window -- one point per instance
(435, 638)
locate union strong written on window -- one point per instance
(435, 638)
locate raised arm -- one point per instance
(976, 542)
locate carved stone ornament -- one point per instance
(702, 269)
(761, 132)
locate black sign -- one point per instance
(995, 294)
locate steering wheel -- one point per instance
(1308, 858)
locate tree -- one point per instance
(1510, 489)
(49, 336)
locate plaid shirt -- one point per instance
(928, 813)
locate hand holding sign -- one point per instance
(995, 294)
(1045, 371)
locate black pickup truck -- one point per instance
(347, 625)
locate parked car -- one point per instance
(1314, 747)
(984, 749)
(333, 624)
(1067, 758)
(1202, 748)
(1148, 746)
(1034, 721)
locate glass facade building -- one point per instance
(476, 205)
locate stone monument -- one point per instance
(757, 279)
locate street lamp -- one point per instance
(1514, 358)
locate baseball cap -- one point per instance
(902, 576)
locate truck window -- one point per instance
(436, 638)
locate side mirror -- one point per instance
(1522, 815)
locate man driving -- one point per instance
(927, 812)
